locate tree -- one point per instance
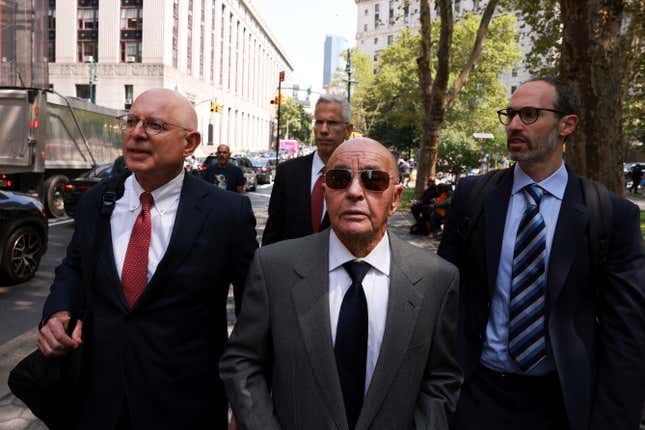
(294, 116)
(598, 44)
(435, 93)
(395, 90)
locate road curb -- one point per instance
(11, 353)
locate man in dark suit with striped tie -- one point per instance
(546, 340)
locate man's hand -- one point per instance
(53, 340)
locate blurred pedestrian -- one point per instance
(224, 174)
(296, 207)
(351, 327)
(548, 340)
(156, 322)
(636, 175)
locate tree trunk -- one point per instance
(436, 97)
(590, 58)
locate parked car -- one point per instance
(248, 170)
(264, 169)
(74, 189)
(23, 236)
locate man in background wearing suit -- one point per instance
(546, 340)
(157, 318)
(354, 328)
(297, 207)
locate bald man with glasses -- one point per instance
(349, 328)
(549, 340)
(156, 271)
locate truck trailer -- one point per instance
(47, 138)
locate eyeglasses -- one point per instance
(372, 180)
(528, 115)
(152, 126)
(332, 123)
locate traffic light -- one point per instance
(216, 107)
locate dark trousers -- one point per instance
(498, 401)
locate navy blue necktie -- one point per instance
(351, 342)
(527, 343)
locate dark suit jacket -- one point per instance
(284, 332)
(159, 357)
(290, 204)
(595, 320)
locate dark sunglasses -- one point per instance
(372, 180)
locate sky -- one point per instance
(301, 26)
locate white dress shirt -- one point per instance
(316, 166)
(162, 216)
(376, 285)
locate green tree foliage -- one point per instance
(542, 24)
(395, 90)
(299, 121)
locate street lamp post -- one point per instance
(348, 70)
(277, 134)
(93, 79)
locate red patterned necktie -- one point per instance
(317, 201)
(135, 266)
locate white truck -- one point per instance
(46, 138)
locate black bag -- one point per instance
(52, 387)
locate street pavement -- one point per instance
(15, 416)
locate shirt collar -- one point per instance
(379, 258)
(164, 197)
(317, 164)
(554, 184)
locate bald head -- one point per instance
(180, 107)
(367, 145)
(360, 201)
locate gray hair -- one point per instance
(331, 98)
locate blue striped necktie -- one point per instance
(526, 339)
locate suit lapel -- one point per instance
(188, 223)
(495, 207)
(404, 303)
(306, 190)
(311, 300)
(569, 231)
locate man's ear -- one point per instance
(192, 141)
(348, 130)
(396, 198)
(568, 124)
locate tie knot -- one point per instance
(146, 200)
(533, 194)
(357, 270)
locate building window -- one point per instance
(51, 23)
(202, 46)
(376, 40)
(390, 39)
(131, 18)
(213, 42)
(514, 73)
(377, 16)
(83, 91)
(129, 95)
(131, 23)
(365, 27)
(221, 46)
(130, 51)
(88, 18)
(87, 31)
(391, 20)
(457, 6)
(513, 88)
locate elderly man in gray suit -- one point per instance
(350, 328)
